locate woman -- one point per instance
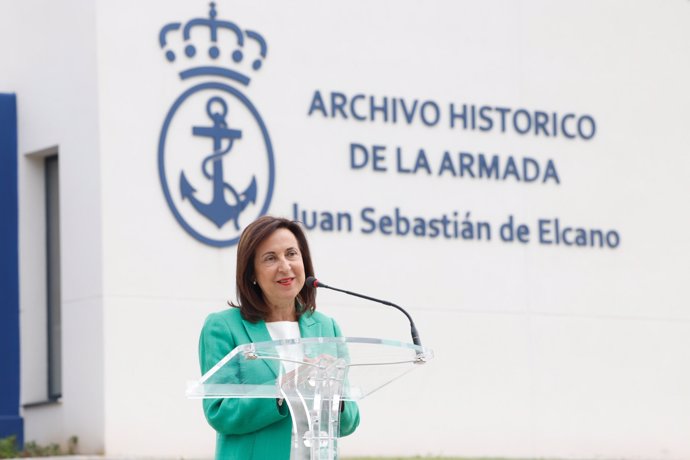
(273, 261)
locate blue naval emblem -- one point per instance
(215, 158)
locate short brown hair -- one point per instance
(252, 303)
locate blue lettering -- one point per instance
(385, 225)
(401, 168)
(526, 163)
(503, 111)
(422, 162)
(599, 236)
(565, 236)
(317, 104)
(592, 127)
(419, 228)
(353, 108)
(363, 156)
(551, 232)
(613, 239)
(344, 217)
(580, 237)
(445, 221)
(370, 226)
(409, 115)
(511, 169)
(338, 102)
(461, 115)
(486, 170)
(540, 120)
(379, 158)
(523, 233)
(446, 164)
(325, 221)
(551, 173)
(466, 162)
(435, 113)
(544, 231)
(402, 224)
(526, 116)
(564, 129)
(434, 231)
(373, 108)
(486, 118)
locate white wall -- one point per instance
(48, 58)
(542, 350)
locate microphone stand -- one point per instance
(315, 283)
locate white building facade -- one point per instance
(513, 173)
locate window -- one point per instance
(53, 278)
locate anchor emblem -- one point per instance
(236, 149)
(218, 210)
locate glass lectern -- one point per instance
(312, 376)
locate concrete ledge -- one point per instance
(101, 457)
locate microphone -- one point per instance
(315, 283)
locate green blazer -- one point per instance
(256, 429)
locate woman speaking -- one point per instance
(273, 261)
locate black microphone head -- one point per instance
(312, 282)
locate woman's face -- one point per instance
(279, 268)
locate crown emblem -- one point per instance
(211, 46)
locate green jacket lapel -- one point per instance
(258, 332)
(308, 327)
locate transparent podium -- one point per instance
(312, 376)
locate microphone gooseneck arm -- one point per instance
(312, 281)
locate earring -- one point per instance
(254, 282)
